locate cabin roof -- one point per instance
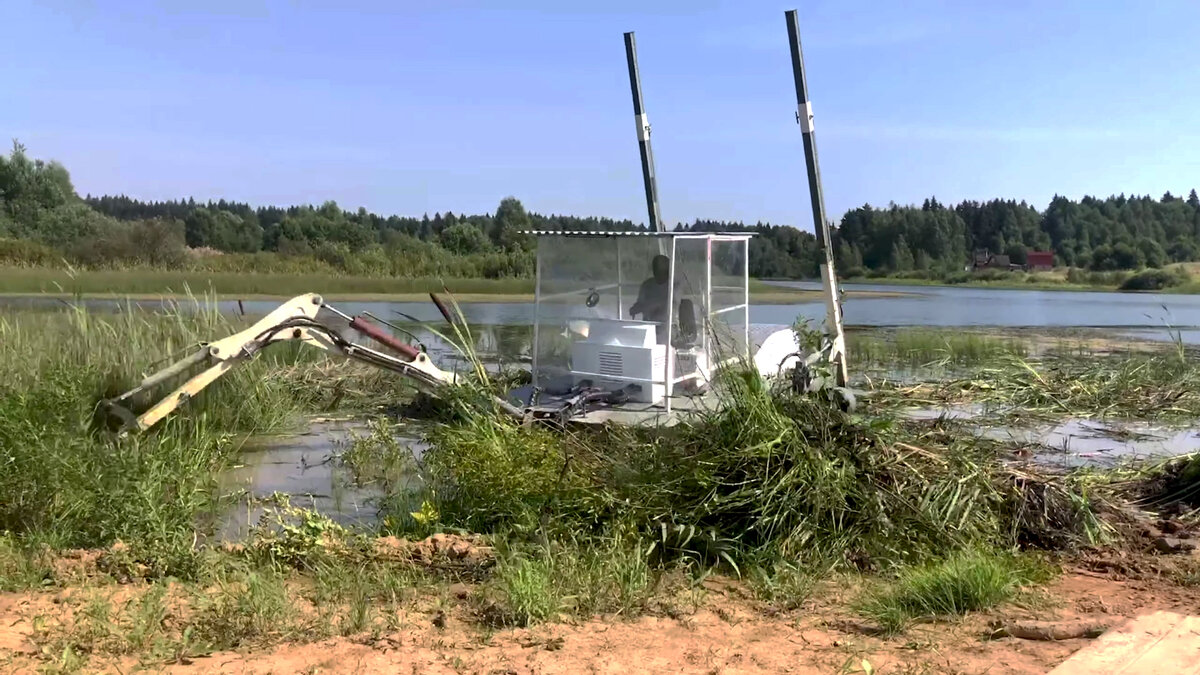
(635, 233)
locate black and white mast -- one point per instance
(804, 115)
(643, 135)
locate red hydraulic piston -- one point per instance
(374, 332)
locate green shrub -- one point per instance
(1153, 280)
(25, 252)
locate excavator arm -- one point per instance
(296, 320)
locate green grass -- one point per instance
(135, 282)
(1000, 281)
(916, 347)
(250, 608)
(962, 583)
(609, 575)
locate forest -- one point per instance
(44, 222)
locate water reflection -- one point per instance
(307, 468)
(1072, 443)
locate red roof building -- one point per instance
(1039, 260)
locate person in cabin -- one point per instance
(654, 296)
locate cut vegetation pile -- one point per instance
(771, 477)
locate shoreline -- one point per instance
(769, 296)
(986, 285)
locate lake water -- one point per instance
(1074, 442)
(1144, 314)
(308, 470)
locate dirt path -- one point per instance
(727, 632)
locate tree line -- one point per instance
(43, 220)
(1117, 233)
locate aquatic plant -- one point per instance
(922, 347)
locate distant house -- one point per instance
(983, 259)
(1039, 261)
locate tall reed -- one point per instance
(66, 480)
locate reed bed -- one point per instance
(917, 347)
(1162, 385)
(65, 480)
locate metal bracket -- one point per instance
(643, 127)
(804, 117)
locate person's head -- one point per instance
(661, 266)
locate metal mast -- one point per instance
(643, 135)
(804, 116)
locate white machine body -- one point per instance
(617, 353)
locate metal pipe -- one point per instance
(643, 135)
(364, 326)
(669, 366)
(199, 356)
(804, 116)
(746, 298)
(537, 306)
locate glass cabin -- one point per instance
(650, 314)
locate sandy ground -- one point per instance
(725, 631)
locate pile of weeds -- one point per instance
(1172, 485)
(770, 476)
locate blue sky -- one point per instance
(411, 108)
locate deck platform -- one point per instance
(1151, 644)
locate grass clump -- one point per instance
(783, 584)
(922, 347)
(22, 566)
(491, 471)
(609, 575)
(246, 608)
(965, 582)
